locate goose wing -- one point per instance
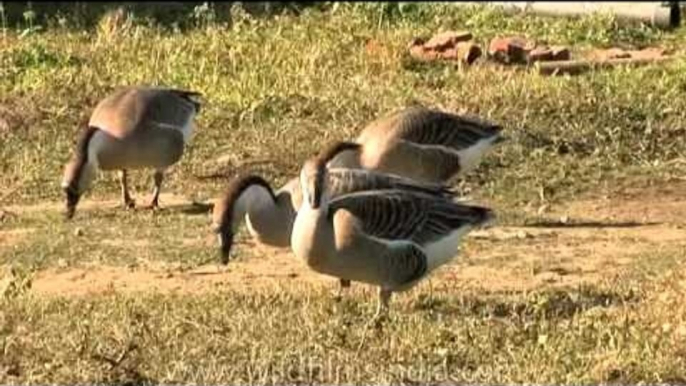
(397, 215)
(132, 108)
(292, 190)
(169, 107)
(341, 181)
(433, 127)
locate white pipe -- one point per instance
(657, 14)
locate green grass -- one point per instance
(273, 85)
(276, 89)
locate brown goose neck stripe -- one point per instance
(81, 155)
(326, 155)
(234, 191)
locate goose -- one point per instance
(135, 127)
(423, 144)
(389, 236)
(420, 143)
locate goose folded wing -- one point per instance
(343, 181)
(169, 113)
(444, 129)
(397, 215)
(437, 161)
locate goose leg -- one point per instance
(344, 284)
(381, 314)
(382, 309)
(127, 201)
(158, 177)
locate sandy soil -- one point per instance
(593, 240)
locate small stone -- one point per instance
(524, 235)
(78, 232)
(564, 219)
(445, 40)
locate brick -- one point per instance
(611, 53)
(512, 49)
(445, 40)
(416, 41)
(648, 53)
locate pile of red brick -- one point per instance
(518, 50)
(452, 45)
(460, 46)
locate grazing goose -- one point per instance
(422, 144)
(133, 128)
(390, 236)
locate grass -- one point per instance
(607, 333)
(276, 89)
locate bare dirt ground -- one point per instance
(593, 240)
